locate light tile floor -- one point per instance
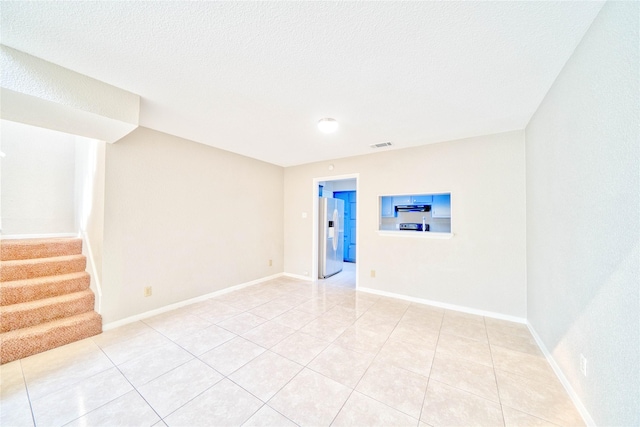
(286, 353)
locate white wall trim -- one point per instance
(298, 276)
(145, 315)
(95, 280)
(454, 307)
(565, 382)
(38, 236)
(414, 234)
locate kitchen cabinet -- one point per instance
(423, 199)
(388, 203)
(420, 199)
(441, 206)
(387, 210)
(401, 200)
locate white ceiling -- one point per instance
(255, 77)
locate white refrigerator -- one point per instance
(330, 239)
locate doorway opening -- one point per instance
(345, 189)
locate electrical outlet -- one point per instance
(373, 273)
(147, 291)
(270, 263)
(583, 365)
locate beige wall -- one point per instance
(482, 267)
(186, 219)
(38, 178)
(583, 217)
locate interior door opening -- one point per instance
(344, 189)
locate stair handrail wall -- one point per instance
(95, 279)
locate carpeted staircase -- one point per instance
(45, 300)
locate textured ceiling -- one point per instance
(255, 77)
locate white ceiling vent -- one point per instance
(380, 145)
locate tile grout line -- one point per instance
(495, 370)
(338, 296)
(264, 403)
(127, 379)
(366, 370)
(202, 361)
(118, 369)
(75, 383)
(424, 398)
(493, 367)
(26, 388)
(312, 359)
(269, 350)
(195, 357)
(306, 366)
(354, 387)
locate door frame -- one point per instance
(315, 222)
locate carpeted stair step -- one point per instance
(38, 248)
(36, 339)
(45, 300)
(32, 313)
(19, 291)
(31, 268)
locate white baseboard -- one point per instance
(298, 276)
(454, 307)
(151, 313)
(37, 236)
(565, 382)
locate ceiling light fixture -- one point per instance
(328, 125)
